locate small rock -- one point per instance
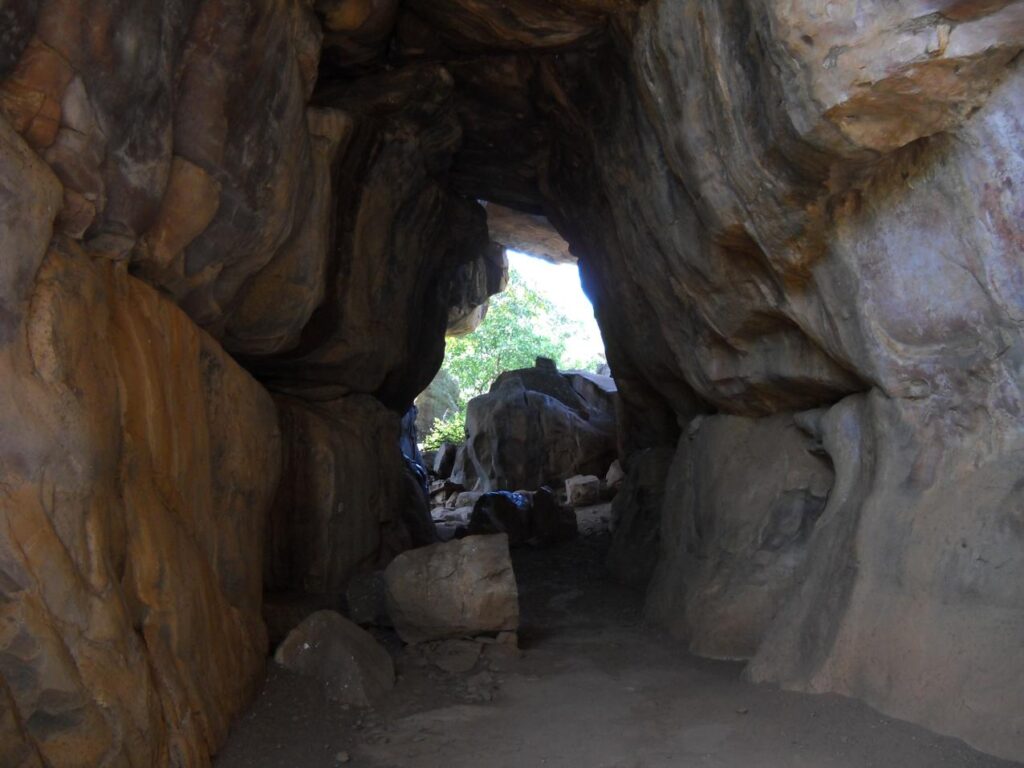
(342, 757)
(616, 475)
(582, 490)
(352, 666)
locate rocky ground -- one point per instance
(591, 687)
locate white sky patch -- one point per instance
(560, 284)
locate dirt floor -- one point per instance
(592, 688)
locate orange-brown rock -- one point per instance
(343, 505)
(137, 460)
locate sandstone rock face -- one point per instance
(780, 207)
(345, 501)
(138, 462)
(741, 502)
(473, 284)
(454, 589)
(874, 587)
(582, 490)
(528, 233)
(533, 428)
(352, 666)
(777, 208)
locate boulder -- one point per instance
(353, 667)
(534, 429)
(464, 472)
(741, 503)
(582, 490)
(921, 613)
(444, 460)
(429, 457)
(455, 589)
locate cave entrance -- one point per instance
(540, 311)
(523, 409)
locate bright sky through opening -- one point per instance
(560, 284)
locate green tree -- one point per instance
(521, 325)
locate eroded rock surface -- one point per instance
(345, 502)
(456, 589)
(777, 208)
(138, 463)
(741, 501)
(534, 428)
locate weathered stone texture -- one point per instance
(533, 428)
(806, 208)
(138, 461)
(455, 589)
(740, 502)
(338, 506)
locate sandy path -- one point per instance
(593, 688)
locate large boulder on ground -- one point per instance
(458, 588)
(910, 597)
(742, 499)
(464, 472)
(353, 667)
(533, 428)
